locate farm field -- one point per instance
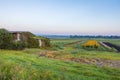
(114, 41)
(61, 62)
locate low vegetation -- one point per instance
(5, 39)
(20, 65)
(60, 62)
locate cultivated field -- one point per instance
(66, 59)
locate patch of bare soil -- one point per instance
(95, 61)
(98, 62)
(110, 63)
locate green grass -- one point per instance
(28, 65)
(114, 41)
(96, 54)
(19, 65)
(78, 51)
(62, 42)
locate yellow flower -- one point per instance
(91, 43)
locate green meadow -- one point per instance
(60, 62)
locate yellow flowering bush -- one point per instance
(91, 44)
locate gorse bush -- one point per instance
(6, 39)
(47, 42)
(32, 43)
(18, 45)
(91, 44)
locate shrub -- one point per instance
(6, 39)
(32, 43)
(45, 42)
(18, 45)
(91, 44)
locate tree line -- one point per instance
(87, 36)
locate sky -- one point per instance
(80, 17)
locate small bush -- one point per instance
(18, 45)
(32, 43)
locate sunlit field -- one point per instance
(60, 62)
(59, 39)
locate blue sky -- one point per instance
(95, 17)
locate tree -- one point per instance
(6, 39)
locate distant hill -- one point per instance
(99, 36)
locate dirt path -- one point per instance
(98, 62)
(95, 61)
(73, 43)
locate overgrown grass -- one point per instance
(28, 65)
(19, 65)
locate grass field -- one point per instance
(114, 41)
(28, 64)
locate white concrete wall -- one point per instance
(40, 42)
(18, 36)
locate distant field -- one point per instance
(114, 41)
(62, 42)
(65, 41)
(61, 62)
(78, 51)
